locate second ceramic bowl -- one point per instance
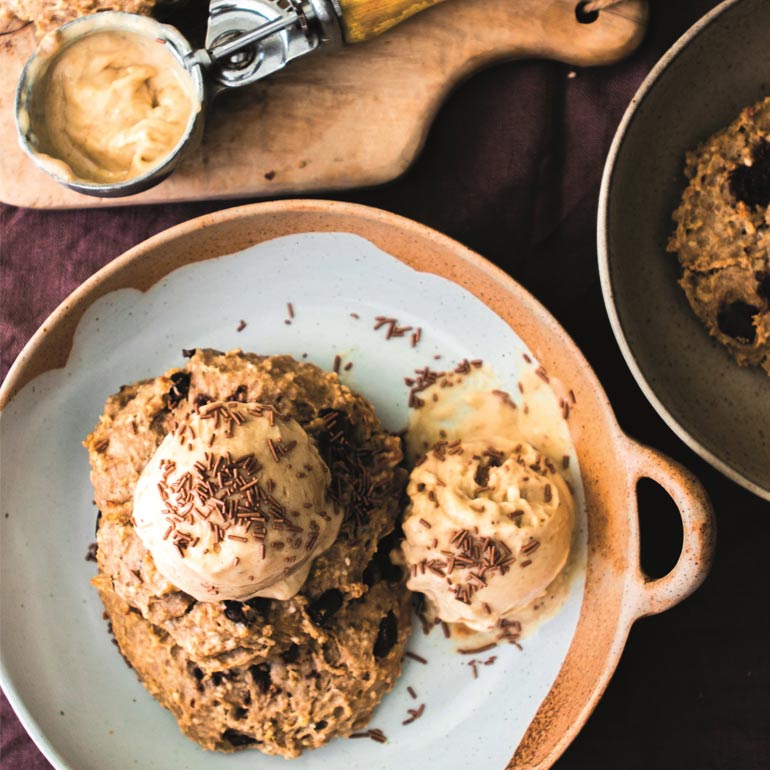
(721, 410)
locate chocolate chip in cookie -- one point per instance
(387, 635)
(763, 286)
(323, 609)
(179, 389)
(751, 184)
(237, 739)
(736, 320)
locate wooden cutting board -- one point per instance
(349, 118)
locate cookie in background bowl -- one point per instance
(719, 408)
(722, 235)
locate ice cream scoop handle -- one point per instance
(365, 19)
(698, 532)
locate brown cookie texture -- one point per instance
(722, 235)
(50, 14)
(731, 304)
(280, 676)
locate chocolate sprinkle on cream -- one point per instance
(510, 631)
(224, 491)
(478, 557)
(504, 397)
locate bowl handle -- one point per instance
(698, 531)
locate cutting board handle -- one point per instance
(364, 19)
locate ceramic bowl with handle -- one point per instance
(224, 280)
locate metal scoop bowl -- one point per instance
(246, 40)
(31, 120)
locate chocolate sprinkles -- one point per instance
(223, 491)
(414, 714)
(375, 734)
(426, 377)
(479, 558)
(394, 330)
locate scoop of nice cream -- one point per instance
(488, 528)
(234, 504)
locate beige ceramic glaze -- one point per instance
(617, 592)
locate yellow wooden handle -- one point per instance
(365, 19)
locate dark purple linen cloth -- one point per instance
(511, 168)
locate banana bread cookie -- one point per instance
(722, 235)
(50, 14)
(277, 675)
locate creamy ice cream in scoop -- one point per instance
(234, 504)
(488, 528)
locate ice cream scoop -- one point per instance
(246, 40)
(234, 504)
(110, 103)
(115, 106)
(488, 528)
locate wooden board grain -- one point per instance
(348, 118)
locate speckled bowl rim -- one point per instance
(605, 269)
(617, 592)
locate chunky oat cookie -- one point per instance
(50, 14)
(281, 676)
(722, 235)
